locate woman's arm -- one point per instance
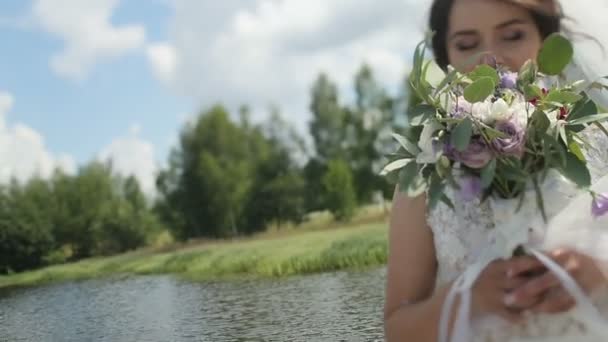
(411, 309)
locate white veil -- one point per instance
(588, 18)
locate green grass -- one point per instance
(282, 253)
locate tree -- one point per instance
(25, 228)
(340, 192)
(328, 122)
(208, 178)
(277, 194)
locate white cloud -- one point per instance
(87, 32)
(132, 155)
(163, 59)
(269, 51)
(23, 153)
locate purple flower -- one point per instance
(476, 156)
(508, 80)
(514, 142)
(461, 108)
(470, 188)
(599, 207)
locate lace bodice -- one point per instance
(461, 234)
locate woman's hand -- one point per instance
(553, 297)
(495, 284)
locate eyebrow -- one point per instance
(499, 26)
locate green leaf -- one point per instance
(406, 144)
(484, 70)
(417, 187)
(493, 133)
(436, 190)
(447, 201)
(563, 97)
(575, 149)
(420, 114)
(488, 173)
(550, 147)
(563, 135)
(449, 78)
(395, 165)
(407, 175)
(539, 199)
(588, 119)
(581, 109)
(433, 74)
(461, 136)
(540, 121)
(555, 55)
(527, 73)
(479, 90)
(576, 171)
(533, 91)
(443, 167)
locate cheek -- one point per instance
(461, 60)
(515, 57)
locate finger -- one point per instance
(556, 302)
(509, 284)
(511, 316)
(522, 265)
(536, 286)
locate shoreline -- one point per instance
(352, 247)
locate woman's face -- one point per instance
(492, 27)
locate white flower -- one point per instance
(430, 152)
(499, 111)
(481, 111)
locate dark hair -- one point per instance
(546, 14)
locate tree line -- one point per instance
(226, 177)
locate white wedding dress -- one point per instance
(465, 235)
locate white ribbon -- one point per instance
(571, 225)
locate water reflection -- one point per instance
(328, 307)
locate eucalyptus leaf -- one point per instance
(395, 165)
(563, 97)
(588, 119)
(480, 89)
(407, 175)
(406, 144)
(420, 114)
(488, 173)
(417, 187)
(527, 73)
(436, 190)
(555, 54)
(461, 136)
(581, 109)
(484, 70)
(540, 121)
(576, 171)
(447, 201)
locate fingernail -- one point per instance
(509, 300)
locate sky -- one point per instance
(116, 79)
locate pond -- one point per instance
(341, 306)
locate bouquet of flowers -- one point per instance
(510, 137)
(503, 131)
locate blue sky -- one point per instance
(80, 117)
(116, 79)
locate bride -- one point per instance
(515, 299)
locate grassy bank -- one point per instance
(272, 254)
